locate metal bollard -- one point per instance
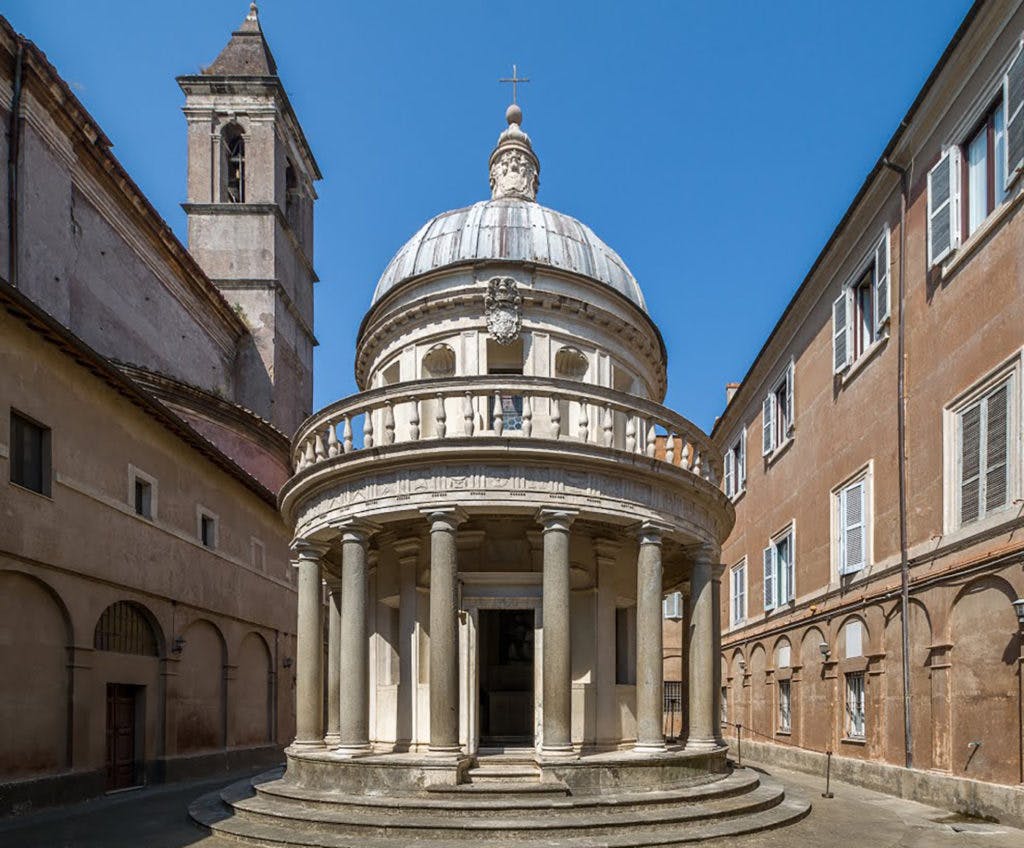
(828, 776)
(739, 746)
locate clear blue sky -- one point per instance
(714, 145)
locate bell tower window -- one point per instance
(232, 184)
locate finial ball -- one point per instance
(514, 115)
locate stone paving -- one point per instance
(855, 818)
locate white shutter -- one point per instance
(970, 464)
(1013, 103)
(881, 286)
(769, 578)
(768, 424)
(789, 402)
(729, 472)
(741, 472)
(840, 333)
(943, 217)
(996, 449)
(851, 512)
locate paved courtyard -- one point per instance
(855, 818)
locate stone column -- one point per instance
(309, 694)
(650, 659)
(557, 650)
(333, 736)
(717, 571)
(444, 632)
(703, 735)
(408, 552)
(354, 666)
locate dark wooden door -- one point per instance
(120, 736)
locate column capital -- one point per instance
(651, 532)
(706, 554)
(445, 517)
(304, 549)
(556, 519)
(357, 530)
(408, 549)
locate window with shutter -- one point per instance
(768, 425)
(942, 206)
(852, 528)
(735, 476)
(983, 455)
(1013, 104)
(769, 578)
(882, 282)
(789, 399)
(738, 587)
(729, 472)
(840, 336)
(741, 469)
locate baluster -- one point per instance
(441, 418)
(346, 435)
(300, 460)
(584, 427)
(467, 414)
(697, 464)
(368, 429)
(527, 416)
(606, 425)
(389, 423)
(414, 419)
(333, 448)
(310, 457)
(556, 417)
(499, 414)
(319, 451)
(670, 448)
(687, 453)
(652, 439)
(631, 433)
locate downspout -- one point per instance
(901, 438)
(13, 139)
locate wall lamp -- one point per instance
(287, 662)
(825, 650)
(1018, 607)
(179, 644)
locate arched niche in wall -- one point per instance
(571, 363)
(439, 361)
(127, 628)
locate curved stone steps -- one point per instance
(406, 825)
(237, 828)
(456, 803)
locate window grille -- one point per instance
(855, 705)
(123, 629)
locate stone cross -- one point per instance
(515, 79)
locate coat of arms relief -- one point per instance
(503, 306)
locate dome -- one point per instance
(514, 230)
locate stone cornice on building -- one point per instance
(26, 311)
(233, 415)
(387, 316)
(92, 156)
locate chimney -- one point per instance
(730, 390)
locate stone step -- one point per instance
(523, 771)
(242, 830)
(456, 802)
(499, 787)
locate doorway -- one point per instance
(506, 675)
(122, 705)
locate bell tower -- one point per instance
(251, 177)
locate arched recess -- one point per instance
(925, 689)
(232, 164)
(35, 634)
(737, 693)
(985, 697)
(252, 693)
(126, 627)
(782, 653)
(760, 700)
(200, 689)
(815, 714)
(853, 638)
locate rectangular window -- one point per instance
(777, 414)
(30, 454)
(784, 703)
(861, 311)
(724, 707)
(672, 606)
(778, 571)
(852, 522)
(207, 528)
(983, 455)
(984, 171)
(738, 593)
(258, 554)
(143, 498)
(736, 466)
(855, 705)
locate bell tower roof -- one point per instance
(247, 54)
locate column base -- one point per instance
(650, 748)
(444, 750)
(332, 740)
(306, 745)
(700, 746)
(353, 750)
(558, 752)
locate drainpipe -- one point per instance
(13, 139)
(901, 438)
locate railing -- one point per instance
(510, 406)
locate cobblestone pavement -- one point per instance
(855, 818)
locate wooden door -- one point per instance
(120, 736)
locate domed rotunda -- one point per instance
(497, 516)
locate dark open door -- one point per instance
(120, 736)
